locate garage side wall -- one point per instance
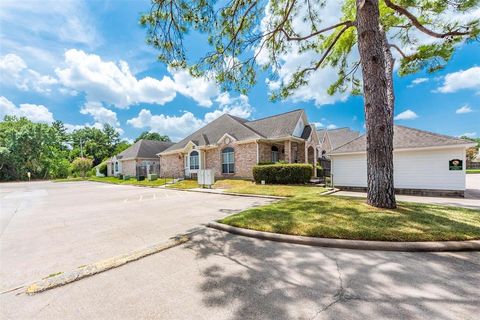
(418, 169)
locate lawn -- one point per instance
(249, 187)
(351, 218)
(473, 171)
(114, 180)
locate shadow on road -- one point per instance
(269, 280)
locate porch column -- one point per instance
(288, 151)
(315, 162)
(306, 153)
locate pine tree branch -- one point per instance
(290, 38)
(420, 26)
(399, 50)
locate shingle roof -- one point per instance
(403, 138)
(144, 149)
(339, 137)
(280, 125)
(241, 129)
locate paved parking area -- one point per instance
(51, 227)
(224, 276)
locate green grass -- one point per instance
(351, 218)
(249, 187)
(132, 181)
(473, 171)
(184, 185)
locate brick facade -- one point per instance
(245, 158)
(172, 165)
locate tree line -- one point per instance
(48, 151)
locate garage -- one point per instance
(425, 163)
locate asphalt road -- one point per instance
(223, 276)
(218, 275)
(55, 227)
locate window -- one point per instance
(228, 160)
(194, 163)
(274, 154)
(116, 166)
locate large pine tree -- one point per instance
(422, 33)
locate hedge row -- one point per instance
(294, 173)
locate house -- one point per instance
(231, 146)
(425, 163)
(333, 138)
(138, 159)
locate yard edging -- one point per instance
(421, 246)
(101, 266)
(232, 194)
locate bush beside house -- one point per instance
(294, 173)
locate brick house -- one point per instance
(231, 146)
(138, 159)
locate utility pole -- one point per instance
(81, 148)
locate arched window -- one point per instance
(194, 163)
(116, 166)
(228, 160)
(274, 154)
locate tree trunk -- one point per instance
(378, 100)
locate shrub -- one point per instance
(294, 173)
(102, 168)
(82, 165)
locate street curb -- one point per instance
(232, 194)
(101, 266)
(329, 192)
(425, 246)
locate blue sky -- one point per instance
(86, 63)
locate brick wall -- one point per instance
(171, 165)
(245, 159)
(129, 167)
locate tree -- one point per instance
(146, 135)
(95, 143)
(122, 145)
(241, 31)
(82, 165)
(473, 151)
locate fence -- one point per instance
(144, 170)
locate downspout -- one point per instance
(258, 152)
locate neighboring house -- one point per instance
(333, 138)
(138, 160)
(231, 146)
(425, 163)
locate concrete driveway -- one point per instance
(224, 276)
(470, 201)
(55, 227)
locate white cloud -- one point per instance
(417, 81)
(199, 89)
(14, 71)
(318, 125)
(406, 115)
(173, 126)
(177, 127)
(111, 83)
(34, 112)
(463, 79)
(469, 134)
(332, 126)
(235, 106)
(100, 114)
(114, 84)
(464, 109)
(318, 81)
